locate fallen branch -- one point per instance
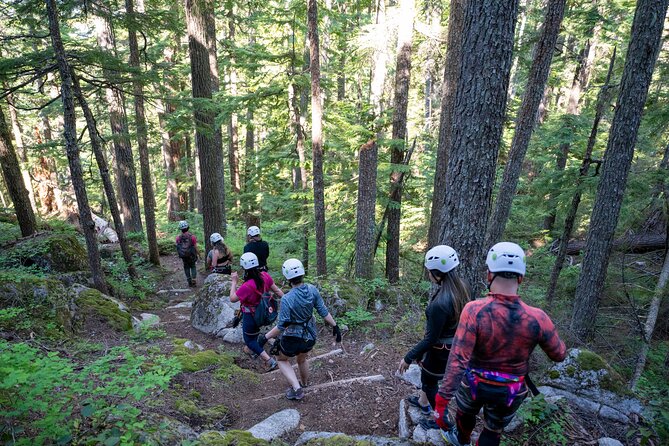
(175, 290)
(315, 358)
(636, 244)
(343, 382)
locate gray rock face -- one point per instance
(212, 310)
(371, 439)
(232, 335)
(606, 441)
(276, 425)
(145, 320)
(411, 376)
(403, 427)
(190, 345)
(431, 436)
(587, 405)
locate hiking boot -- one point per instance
(293, 394)
(415, 401)
(451, 436)
(272, 364)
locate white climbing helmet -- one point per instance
(506, 257)
(215, 237)
(441, 257)
(248, 260)
(292, 268)
(252, 231)
(183, 224)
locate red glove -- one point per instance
(441, 412)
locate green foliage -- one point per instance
(544, 422)
(47, 399)
(653, 389)
(93, 304)
(126, 288)
(230, 438)
(356, 317)
(51, 252)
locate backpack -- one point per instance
(267, 309)
(185, 246)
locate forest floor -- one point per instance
(355, 409)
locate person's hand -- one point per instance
(441, 413)
(234, 277)
(336, 332)
(262, 339)
(403, 366)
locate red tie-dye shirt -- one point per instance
(498, 333)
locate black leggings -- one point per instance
(432, 371)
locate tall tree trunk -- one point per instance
(399, 135)
(210, 20)
(118, 120)
(22, 153)
(96, 144)
(317, 137)
(602, 101)
(641, 56)
(172, 157)
(579, 83)
(661, 288)
(539, 71)
(366, 211)
(524, 6)
(70, 132)
(456, 23)
(233, 127)
(208, 145)
(477, 121)
(148, 196)
(14, 181)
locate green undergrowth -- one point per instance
(50, 252)
(48, 398)
(653, 389)
(234, 438)
(216, 415)
(543, 422)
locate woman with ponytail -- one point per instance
(256, 283)
(442, 314)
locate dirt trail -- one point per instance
(370, 408)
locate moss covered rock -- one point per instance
(92, 306)
(212, 310)
(51, 252)
(201, 415)
(230, 438)
(337, 440)
(193, 360)
(584, 370)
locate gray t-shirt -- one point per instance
(296, 312)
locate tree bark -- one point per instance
(641, 57)
(602, 102)
(22, 153)
(118, 120)
(208, 145)
(478, 118)
(451, 74)
(399, 135)
(172, 151)
(72, 149)
(536, 82)
(148, 195)
(317, 137)
(16, 188)
(233, 126)
(366, 211)
(97, 146)
(210, 20)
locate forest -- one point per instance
(356, 135)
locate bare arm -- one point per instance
(277, 290)
(233, 287)
(274, 332)
(330, 320)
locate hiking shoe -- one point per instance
(293, 394)
(451, 436)
(271, 365)
(415, 401)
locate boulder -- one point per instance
(403, 422)
(48, 251)
(276, 425)
(212, 310)
(232, 335)
(430, 436)
(190, 345)
(145, 320)
(187, 304)
(92, 307)
(606, 441)
(411, 376)
(229, 438)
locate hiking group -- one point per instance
(475, 351)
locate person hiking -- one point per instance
(491, 350)
(219, 258)
(256, 283)
(296, 327)
(442, 314)
(187, 250)
(257, 246)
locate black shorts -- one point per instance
(292, 345)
